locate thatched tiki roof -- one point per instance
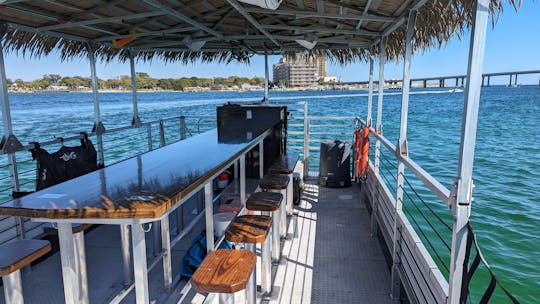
(226, 30)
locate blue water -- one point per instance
(506, 208)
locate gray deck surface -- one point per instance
(333, 259)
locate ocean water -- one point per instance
(506, 208)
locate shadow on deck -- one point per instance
(333, 259)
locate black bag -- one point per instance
(64, 164)
(298, 187)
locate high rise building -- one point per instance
(299, 70)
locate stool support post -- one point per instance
(282, 213)
(276, 250)
(290, 195)
(226, 298)
(80, 265)
(251, 287)
(126, 254)
(266, 268)
(13, 288)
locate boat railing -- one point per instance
(420, 232)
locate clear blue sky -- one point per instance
(514, 44)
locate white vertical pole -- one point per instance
(402, 149)
(140, 267)
(370, 93)
(99, 129)
(209, 215)
(382, 59)
(11, 142)
(136, 120)
(463, 187)
(266, 77)
(68, 261)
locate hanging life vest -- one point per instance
(361, 152)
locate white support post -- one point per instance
(306, 141)
(209, 216)
(261, 159)
(140, 266)
(136, 121)
(13, 291)
(166, 251)
(382, 59)
(126, 254)
(99, 129)
(69, 263)
(463, 187)
(9, 143)
(402, 150)
(243, 180)
(266, 77)
(370, 92)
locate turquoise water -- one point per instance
(506, 208)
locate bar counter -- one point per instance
(130, 193)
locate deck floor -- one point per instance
(332, 259)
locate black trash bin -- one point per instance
(335, 164)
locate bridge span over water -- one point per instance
(459, 80)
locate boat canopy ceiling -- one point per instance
(228, 30)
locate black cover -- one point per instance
(64, 164)
(243, 123)
(335, 164)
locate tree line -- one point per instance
(143, 80)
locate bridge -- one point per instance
(459, 79)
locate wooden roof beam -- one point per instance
(320, 30)
(149, 33)
(52, 18)
(102, 20)
(366, 9)
(304, 14)
(179, 16)
(252, 20)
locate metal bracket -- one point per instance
(379, 129)
(402, 148)
(454, 194)
(136, 121)
(368, 122)
(98, 128)
(10, 144)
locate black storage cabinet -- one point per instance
(335, 164)
(243, 123)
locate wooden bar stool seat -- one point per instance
(278, 183)
(225, 271)
(269, 203)
(14, 256)
(285, 164)
(251, 230)
(274, 181)
(264, 201)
